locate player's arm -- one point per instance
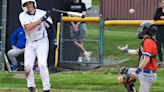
(144, 62)
(126, 50)
(30, 26)
(13, 39)
(142, 65)
(158, 15)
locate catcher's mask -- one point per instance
(146, 28)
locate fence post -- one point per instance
(101, 44)
(3, 33)
(61, 38)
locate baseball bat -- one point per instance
(75, 14)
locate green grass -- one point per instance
(95, 2)
(74, 81)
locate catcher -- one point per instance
(147, 52)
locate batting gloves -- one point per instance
(46, 15)
(138, 70)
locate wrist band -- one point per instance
(138, 70)
(126, 50)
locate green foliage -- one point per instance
(95, 2)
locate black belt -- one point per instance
(37, 39)
(148, 71)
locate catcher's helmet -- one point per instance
(146, 28)
(25, 1)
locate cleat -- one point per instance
(46, 90)
(32, 89)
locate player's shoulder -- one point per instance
(149, 41)
(22, 13)
(40, 10)
(159, 9)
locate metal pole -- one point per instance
(3, 33)
(101, 48)
(61, 38)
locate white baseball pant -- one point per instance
(37, 49)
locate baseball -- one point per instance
(131, 11)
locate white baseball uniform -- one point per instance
(37, 45)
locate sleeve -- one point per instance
(23, 20)
(158, 14)
(147, 47)
(13, 38)
(83, 7)
(49, 19)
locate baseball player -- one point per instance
(147, 57)
(34, 23)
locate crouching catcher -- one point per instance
(146, 71)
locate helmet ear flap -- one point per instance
(152, 30)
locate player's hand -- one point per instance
(13, 46)
(132, 77)
(162, 17)
(55, 43)
(122, 48)
(46, 15)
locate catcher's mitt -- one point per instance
(132, 78)
(126, 77)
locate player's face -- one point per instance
(162, 3)
(76, 1)
(30, 6)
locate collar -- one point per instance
(31, 13)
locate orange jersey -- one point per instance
(149, 48)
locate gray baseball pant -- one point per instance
(13, 53)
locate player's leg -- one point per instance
(132, 70)
(146, 81)
(75, 37)
(83, 34)
(12, 54)
(29, 57)
(42, 55)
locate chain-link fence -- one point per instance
(79, 49)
